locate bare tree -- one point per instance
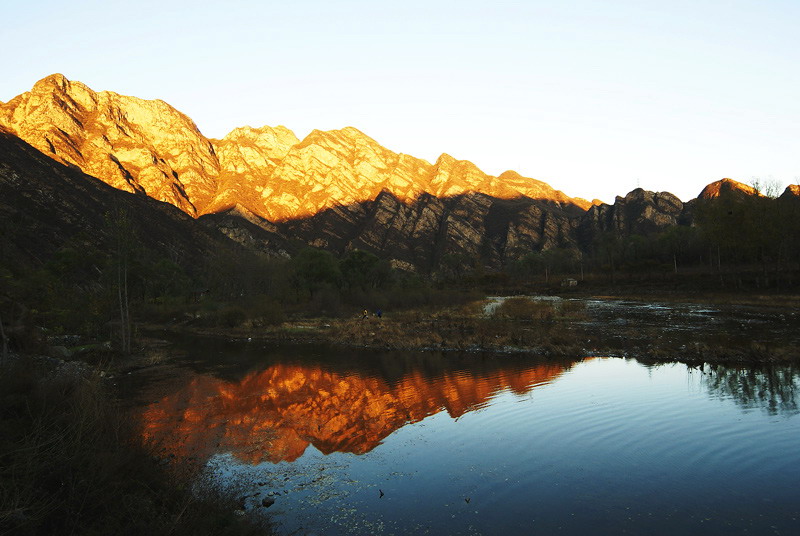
(121, 229)
(769, 187)
(4, 355)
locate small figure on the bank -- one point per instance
(365, 314)
(379, 313)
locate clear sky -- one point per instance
(592, 97)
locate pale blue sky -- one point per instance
(592, 97)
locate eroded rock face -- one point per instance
(640, 212)
(536, 229)
(147, 146)
(463, 232)
(346, 167)
(46, 206)
(726, 187)
(338, 190)
(135, 145)
(247, 157)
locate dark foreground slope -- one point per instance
(71, 462)
(45, 205)
(77, 255)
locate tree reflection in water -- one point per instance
(773, 388)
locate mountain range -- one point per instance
(339, 190)
(148, 146)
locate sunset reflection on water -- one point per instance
(376, 442)
(275, 413)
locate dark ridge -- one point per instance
(45, 204)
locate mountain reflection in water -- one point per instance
(275, 413)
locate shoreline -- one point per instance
(540, 333)
(540, 330)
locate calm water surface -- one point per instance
(364, 442)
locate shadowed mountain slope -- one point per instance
(45, 205)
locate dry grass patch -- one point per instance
(522, 325)
(526, 310)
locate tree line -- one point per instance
(103, 292)
(739, 241)
(734, 241)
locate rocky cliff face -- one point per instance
(247, 157)
(283, 178)
(338, 190)
(45, 205)
(639, 212)
(147, 146)
(132, 144)
(462, 232)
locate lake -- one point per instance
(350, 441)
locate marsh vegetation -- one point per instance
(72, 462)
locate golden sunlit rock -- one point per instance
(793, 190)
(149, 147)
(132, 144)
(722, 186)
